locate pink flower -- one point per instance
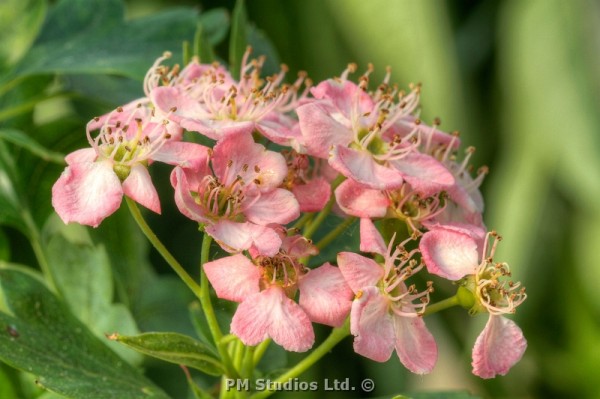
(208, 100)
(240, 201)
(403, 203)
(129, 139)
(461, 253)
(384, 316)
(356, 131)
(303, 179)
(265, 288)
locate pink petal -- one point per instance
(187, 155)
(88, 155)
(183, 197)
(325, 296)
(500, 346)
(167, 98)
(371, 324)
(234, 277)
(276, 206)
(239, 155)
(320, 130)
(138, 186)
(357, 200)
(424, 173)
(370, 238)
(272, 314)
(218, 129)
(342, 94)
(235, 237)
(312, 196)
(86, 193)
(448, 253)
(360, 166)
(415, 345)
(358, 271)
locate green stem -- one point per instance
(332, 235)
(162, 250)
(337, 334)
(247, 368)
(209, 312)
(303, 220)
(260, 351)
(441, 305)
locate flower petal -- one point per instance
(500, 346)
(425, 174)
(325, 296)
(138, 186)
(235, 237)
(448, 253)
(357, 200)
(234, 277)
(370, 238)
(312, 196)
(86, 193)
(272, 314)
(183, 198)
(359, 271)
(371, 324)
(276, 206)
(187, 155)
(320, 130)
(415, 345)
(360, 166)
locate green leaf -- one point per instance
(7, 387)
(202, 48)
(238, 39)
(82, 273)
(439, 395)
(215, 25)
(11, 206)
(20, 21)
(43, 338)
(22, 140)
(175, 348)
(91, 36)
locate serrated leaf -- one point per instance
(22, 140)
(91, 36)
(238, 38)
(43, 338)
(175, 348)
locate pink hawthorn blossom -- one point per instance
(357, 132)
(384, 316)
(266, 286)
(208, 100)
(129, 139)
(462, 253)
(240, 202)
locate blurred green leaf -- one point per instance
(238, 39)
(215, 25)
(91, 36)
(439, 395)
(20, 21)
(7, 389)
(22, 140)
(4, 247)
(42, 338)
(11, 206)
(175, 348)
(83, 275)
(202, 47)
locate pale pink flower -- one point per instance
(265, 288)
(355, 130)
(461, 253)
(384, 314)
(402, 203)
(304, 180)
(237, 197)
(208, 100)
(129, 139)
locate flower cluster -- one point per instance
(363, 154)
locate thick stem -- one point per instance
(441, 305)
(337, 334)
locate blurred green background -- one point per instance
(520, 79)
